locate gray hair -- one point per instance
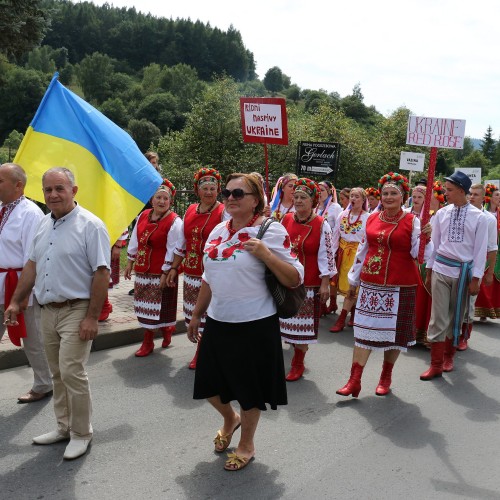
(17, 172)
(61, 170)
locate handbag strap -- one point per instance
(264, 227)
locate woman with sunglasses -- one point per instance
(199, 220)
(311, 239)
(151, 251)
(241, 326)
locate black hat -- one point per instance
(461, 180)
(423, 181)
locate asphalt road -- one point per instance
(426, 440)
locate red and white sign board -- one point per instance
(263, 119)
(446, 133)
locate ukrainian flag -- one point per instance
(114, 179)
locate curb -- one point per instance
(15, 357)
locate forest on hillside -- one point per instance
(174, 85)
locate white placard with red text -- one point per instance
(446, 133)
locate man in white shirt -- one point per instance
(476, 199)
(19, 219)
(68, 265)
(455, 267)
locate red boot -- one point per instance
(384, 384)
(353, 385)
(167, 335)
(436, 368)
(463, 339)
(297, 368)
(449, 353)
(107, 309)
(332, 306)
(340, 324)
(351, 320)
(192, 365)
(148, 345)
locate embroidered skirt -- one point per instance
(385, 317)
(303, 327)
(242, 362)
(488, 301)
(192, 285)
(154, 307)
(114, 276)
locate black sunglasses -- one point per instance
(237, 193)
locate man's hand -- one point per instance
(474, 286)
(10, 314)
(88, 329)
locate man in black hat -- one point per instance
(455, 268)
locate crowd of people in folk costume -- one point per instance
(353, 242)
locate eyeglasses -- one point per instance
(237, 193)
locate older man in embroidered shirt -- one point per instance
(69, 266)
(19, 219)
(454, 269)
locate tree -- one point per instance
(144, 133)
(475, 160)
(13, 142)
(116, 111)
(23, 25)
(488, 144)
(41, 59)
(273, 80)
(160, 109)
(94, 74)
(293, 93)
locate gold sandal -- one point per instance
(222, 441)
(236, 462)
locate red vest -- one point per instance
(305, 239)
(152, 242)
(388, 261)
(197, 227)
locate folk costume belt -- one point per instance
(463, 281)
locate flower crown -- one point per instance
(166, 185)
(399, 180)
(489, 189)
(206, 172)
(439, 192)
(310, 187)
(371, 191)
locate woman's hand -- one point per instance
(169, 279)
(127, 274)
(427, 230)
(324, 289)
(193, 329)
(257, 248)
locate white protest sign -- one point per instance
(474, 174)
(435, 132)
(412, 161)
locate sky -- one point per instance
(439, 58)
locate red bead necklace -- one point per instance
(356, 221)
(250, 223)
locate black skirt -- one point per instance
(242, 362)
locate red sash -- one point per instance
(16, 333)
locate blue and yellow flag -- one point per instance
(114, 179)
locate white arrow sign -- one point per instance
(319, 170)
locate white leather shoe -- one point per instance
(76, 448)
(51, 437)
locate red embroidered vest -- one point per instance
(152, 242)
(388, 261)
(305, 239)
(197, 227)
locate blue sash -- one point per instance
(463, 281)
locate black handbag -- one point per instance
(288, 300)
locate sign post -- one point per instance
(433, 132)
(263, 119)
(318, 159)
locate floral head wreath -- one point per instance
(397, 180)
(371, 191)
(206, 174)
(166, 185)
(439, 193)
(309, 187)
(332, 192)
(489, 189)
